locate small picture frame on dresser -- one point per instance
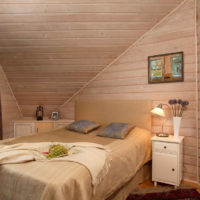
(54, 116)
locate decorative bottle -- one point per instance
(39, 113)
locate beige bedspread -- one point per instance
(79, 152)
(66, 180)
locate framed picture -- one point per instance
(54, 115)
(165, 68)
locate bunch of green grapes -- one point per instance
(56, 151)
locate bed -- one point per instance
(72, 181)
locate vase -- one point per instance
(176, 125)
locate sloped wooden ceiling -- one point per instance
(50, 48)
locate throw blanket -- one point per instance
(94, 157)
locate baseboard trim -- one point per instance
(195, 182)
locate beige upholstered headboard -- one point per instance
(136, 112)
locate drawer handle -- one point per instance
(165, 147)
(173, 169)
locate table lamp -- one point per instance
(158, 110)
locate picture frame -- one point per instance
(165, 68)
(54, 116)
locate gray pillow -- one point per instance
(116, 130)
(83, 126)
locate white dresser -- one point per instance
(27, 127)
(167, 160)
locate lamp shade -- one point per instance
(158, 110)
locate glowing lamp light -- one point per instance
(158, 110)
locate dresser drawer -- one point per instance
(61, 124)
(165, 147)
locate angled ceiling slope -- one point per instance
(50, 48)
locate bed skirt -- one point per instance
(143, 174)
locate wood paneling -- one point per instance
(198, 75)
(1, 127)
(9, 107)
(49, 49)
(87, 1)
(127, 77)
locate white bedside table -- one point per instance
(167, 159)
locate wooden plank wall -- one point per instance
(198, 60)
(9, 106)
(127, 77)
(50, 48)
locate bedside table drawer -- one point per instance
(165, 147)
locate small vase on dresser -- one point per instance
(177, 106)
(176, 126)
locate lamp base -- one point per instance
(162, 134)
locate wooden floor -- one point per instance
(149, 184)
